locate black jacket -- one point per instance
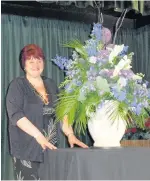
(21, 102)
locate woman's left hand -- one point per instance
(74, 141)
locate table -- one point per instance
(96, 164)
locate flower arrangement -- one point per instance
(99, 72)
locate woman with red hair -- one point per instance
(30, 106)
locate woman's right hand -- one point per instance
(44, 142)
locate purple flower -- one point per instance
(126, 73)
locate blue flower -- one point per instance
(149, 93)
(68, 88)
(72, 73)
(97, 31)
(134, 102)
(92, 73)
(124, 51)
(119, 95)
(91, 47)
(61, 62)
(77, 82)
(122, 96)
(92, 87)
(138, 109)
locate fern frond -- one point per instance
(81, 119)
(66, 105)
(78, 46)
(116, 110)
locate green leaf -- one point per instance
(77, 45)
(81, 119)
(117, 110)
(81, 97)
(66, 105)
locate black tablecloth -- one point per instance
(96, 164)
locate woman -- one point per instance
(30, 106)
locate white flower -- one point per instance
(137, 77)
(115, 51)
(75, 55)
(92, 59)
(124, 64)
(122, 82)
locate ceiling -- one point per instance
(83, 11)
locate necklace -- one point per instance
(46, 101)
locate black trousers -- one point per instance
(25, 170)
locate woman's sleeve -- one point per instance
(14, 102)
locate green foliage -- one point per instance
(66, 105)
(77, 45)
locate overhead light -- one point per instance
(118, 10)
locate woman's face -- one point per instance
(34, 67)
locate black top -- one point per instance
(21, 102)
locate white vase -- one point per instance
(105, 132)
